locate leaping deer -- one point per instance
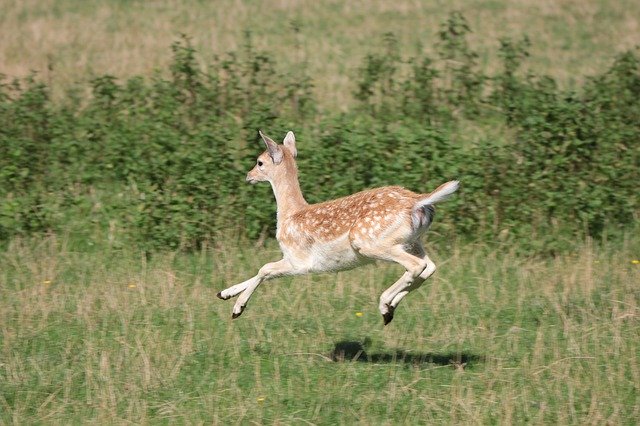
(377, 224)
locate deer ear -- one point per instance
(290, 143)
(275, 152)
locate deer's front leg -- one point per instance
(235, 290)
(246, 288)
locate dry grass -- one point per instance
(110, 337)
(68, 41)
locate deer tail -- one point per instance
(440, 194)
(423, 210)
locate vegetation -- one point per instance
(107, 335)
(71, 41)
(166, 156)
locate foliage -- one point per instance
(176, 146)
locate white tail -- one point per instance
(378, 224)
(441, 193)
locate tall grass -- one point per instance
(68, 40)
(110, 336)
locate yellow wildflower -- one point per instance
(635, 262)
(132, 285)
(359, 314)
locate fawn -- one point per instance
(377, 224)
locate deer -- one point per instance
(384, 224)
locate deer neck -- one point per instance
(289, 198)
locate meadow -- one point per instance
(123, 211)
(112, 337)
(71, 41)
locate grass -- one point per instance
(68, 41)
(91, 333)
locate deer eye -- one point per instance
(260, 163)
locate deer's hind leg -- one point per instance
(418, 250)
(419, 268)
(386, 298)
(414, 261)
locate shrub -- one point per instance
(178, 146)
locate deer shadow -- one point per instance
(353, 351)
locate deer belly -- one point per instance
(335, 255)
(327, 259)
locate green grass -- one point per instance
(103, 335)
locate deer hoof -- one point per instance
(388, 316)
(220, 296)
(235, 315)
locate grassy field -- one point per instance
(69, 40)
(91, 333)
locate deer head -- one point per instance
(276, 162)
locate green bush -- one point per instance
(178, 145)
